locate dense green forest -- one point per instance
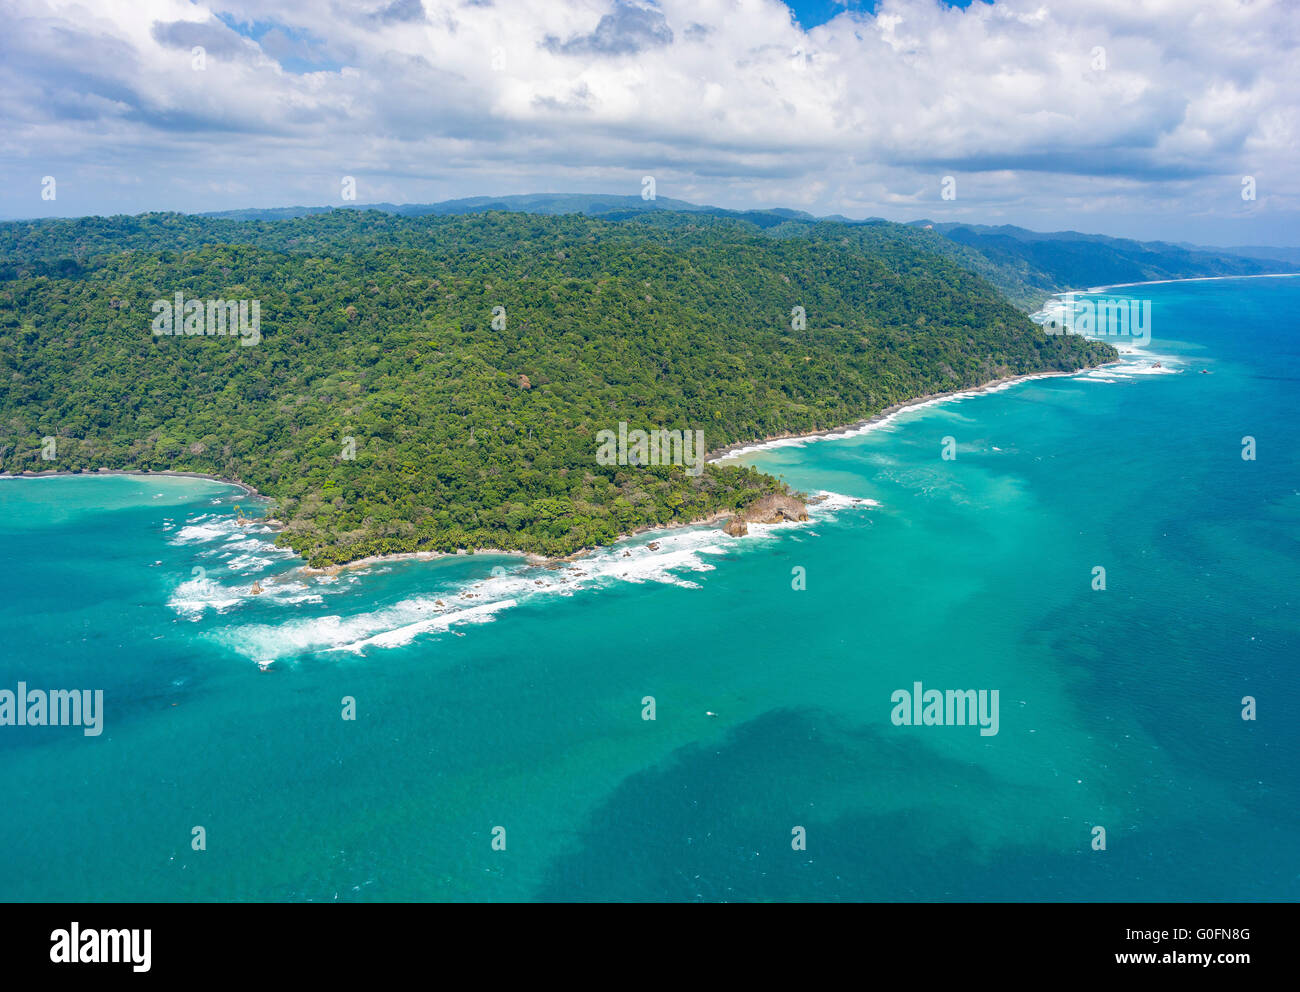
(467, 433)
(1027, 267)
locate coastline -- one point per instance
(533, 559)
(1162, 282)
(884, 416)
(143, 473)
(418, 556)
(737, 450)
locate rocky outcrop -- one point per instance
(257, 588)
(775, 509)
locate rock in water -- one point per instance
(775, 509)
(736, 527)
(257, 588)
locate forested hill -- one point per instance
(385, 410)
(1025, 266)
(1044, 263)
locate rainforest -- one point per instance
(439, 383)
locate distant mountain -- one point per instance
(1026, 266)
(1289, 255)
(604, 205)
(1029, 265)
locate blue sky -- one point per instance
(812, 13)
(1142, 120)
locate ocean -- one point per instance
(500, 746)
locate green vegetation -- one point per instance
(379, 328)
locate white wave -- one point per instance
(194, 598)
(882, 422)
(676, 555)
(1136, 357)
(400, 636)
(198, 533)
(389, 627)
(248, 563)
(831, 503)
(1161, 282)
(208, 528)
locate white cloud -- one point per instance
(726, 99)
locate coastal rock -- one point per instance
(653, 545)
(775, 509)
(736, 527)
(257, 588)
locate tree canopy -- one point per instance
(381, 329)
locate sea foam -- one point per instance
(678, 556)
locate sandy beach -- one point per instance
(881, 418)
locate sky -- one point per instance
(1169, 119)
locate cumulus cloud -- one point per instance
(400, 11)
(1045, 116)
(631, 28)
(212, 36)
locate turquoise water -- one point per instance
(521, 706)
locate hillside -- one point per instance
(1026, 266)
(379, 328)
(1046, 263)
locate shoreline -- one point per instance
(731, 451)
(142, 473)
(531, 557)
(1162, 282)
(369, 560)
(877, 420)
